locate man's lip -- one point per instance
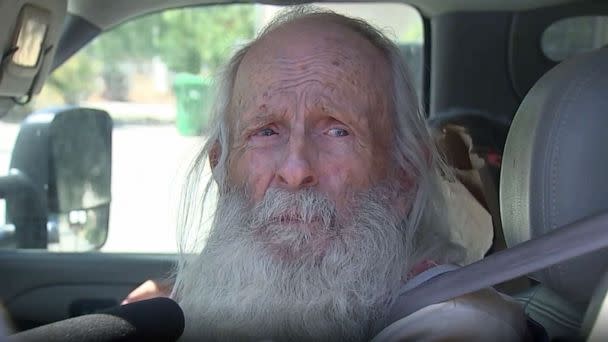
(291, 219)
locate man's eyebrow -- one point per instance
(259, 117)
(348, 115)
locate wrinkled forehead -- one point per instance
(313, 47)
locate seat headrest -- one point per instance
(555, 166)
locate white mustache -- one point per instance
(286, 207)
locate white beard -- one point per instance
(259, 278)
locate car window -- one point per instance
(153, 76)
(8, 134)
(571, 36)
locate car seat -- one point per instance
(553, 173)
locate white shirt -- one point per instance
(484, 315)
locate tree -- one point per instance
(132, 41)
(190, 40)
(75, 80)
(187, 40)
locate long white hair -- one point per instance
(425, 232)
(414, 148)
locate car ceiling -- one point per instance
(108, 13)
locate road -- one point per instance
(147, 167)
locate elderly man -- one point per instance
(328, 198)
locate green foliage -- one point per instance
(187, 40)
(133, 40)
(413, 34)
(203, 38)
(75, 80)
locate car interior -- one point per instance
(528, 95)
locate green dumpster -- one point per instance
(192, 95)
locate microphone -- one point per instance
(157, 319)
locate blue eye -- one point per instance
(338, 132)
(266, 132)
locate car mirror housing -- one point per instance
(58, 190)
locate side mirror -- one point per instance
(57, 191)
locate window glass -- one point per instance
(152, 75)
(8, 134)
(568, 37)
(6, 230)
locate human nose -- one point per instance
(296, 170)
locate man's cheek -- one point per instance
(258, 171)
(337, 177)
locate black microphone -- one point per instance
(157, 319)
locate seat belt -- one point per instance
(570, 241)
(489, 188)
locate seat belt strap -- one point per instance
(489, 188)
(570, 241)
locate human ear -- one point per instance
(214, 154)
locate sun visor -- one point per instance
(29, 32)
